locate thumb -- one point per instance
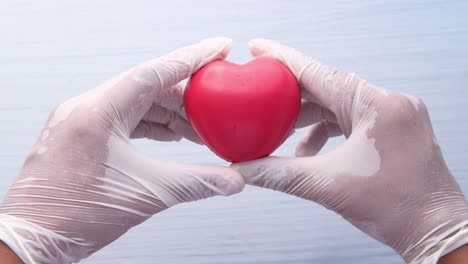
(302, 177)
(186, 182)
(326, 86)
(154, 185)
(276, 173)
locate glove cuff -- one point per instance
(442, 244)
(34, 244)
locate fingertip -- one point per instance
(291, 58)
(237, 167)
(271, 172)
(242, 169)
(227, 181)
(182, 63)
(236, 183)
(258, 47)
(218, 180)
(249, 170)
(222, 44)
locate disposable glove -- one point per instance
(389, 178)
(84, 184)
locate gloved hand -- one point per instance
(388, 179)
(84, 184)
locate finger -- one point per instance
(132, 93)
(309, 178)
(172, 98)
(271, 172)
(154, 131)
(329, 87)
(165, 183)
(173, 121)
(312, 113)
(182, 127)
(301, 177)
(316, 138)
(186, 183)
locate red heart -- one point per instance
(243, 112)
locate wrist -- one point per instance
(7, 255)
(458, 256)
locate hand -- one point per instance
(388, 179)
(84, 184)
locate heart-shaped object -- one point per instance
(243, 112)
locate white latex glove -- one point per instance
(84, 184)
(388, 179)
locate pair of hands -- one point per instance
(84, 184)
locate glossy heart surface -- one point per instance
(243, 112)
